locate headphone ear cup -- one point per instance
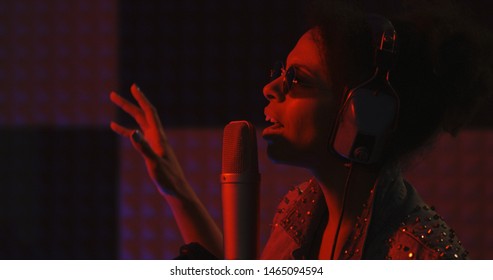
(369, 113)
(364, 123)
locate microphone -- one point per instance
(240, 188)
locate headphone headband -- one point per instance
(384, 41)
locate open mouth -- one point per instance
(274, 127)
(273, 121)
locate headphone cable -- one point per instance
(344, 197)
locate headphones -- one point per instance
(369, 112)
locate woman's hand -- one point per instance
(192, 218)
(150, 140)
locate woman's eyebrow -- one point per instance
(303, 69)
(307, 73)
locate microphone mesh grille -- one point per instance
(239, 148)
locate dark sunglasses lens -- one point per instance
(288, 79)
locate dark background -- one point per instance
(72, 189)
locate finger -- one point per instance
(149, 109)
(123, 131)
(134, 111)
(140, 97)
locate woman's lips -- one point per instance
(275, 128)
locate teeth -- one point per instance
(270, 119)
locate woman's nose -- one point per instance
(273, 91)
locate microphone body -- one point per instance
(240, 189)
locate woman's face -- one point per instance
(301, 117)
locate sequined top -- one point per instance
(395, 224)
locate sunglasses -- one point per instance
(289, 78)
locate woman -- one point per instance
(349, 209)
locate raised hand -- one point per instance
(150, 140)
(195, 223)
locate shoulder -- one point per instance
(295, 223)
(405, 227)
(423, 234)
(297, 203)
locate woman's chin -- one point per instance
(280, 150)
(284, 153)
